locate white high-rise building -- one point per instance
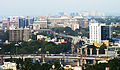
(99, 32)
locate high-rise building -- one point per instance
(19, 34)
(41, 23)
(0, 24)
(61, 13)
(21, 22)
(29, 21)
(74, 14)
(15, 35)
(13, 23)
(25, 22)
(99, 32)
(5, 24)
(105, 32)
(26, 34)
(65, 21)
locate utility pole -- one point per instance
(73, 48)
(1, 59)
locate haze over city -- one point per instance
(59, 35)
(48, 7)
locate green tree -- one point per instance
(102, 48)
(114, 64)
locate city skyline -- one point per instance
(44, 8)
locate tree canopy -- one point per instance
(33, 47)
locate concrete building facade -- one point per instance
(19, 34)
(99, 32)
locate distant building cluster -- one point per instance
(20, 27)
(36, 23)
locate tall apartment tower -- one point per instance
(21, 22)
(99, 32)
(25, 22)
(19, 34)
(26, 34)
(16, 35)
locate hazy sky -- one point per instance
(45, 7)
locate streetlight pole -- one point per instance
(16, 45)
(53, 66)
(0, 48)
(1, 57)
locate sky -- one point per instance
(46, 7)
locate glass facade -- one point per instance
(105, 32)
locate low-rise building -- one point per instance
(77, 68)
(39, 37)
(9, 66)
